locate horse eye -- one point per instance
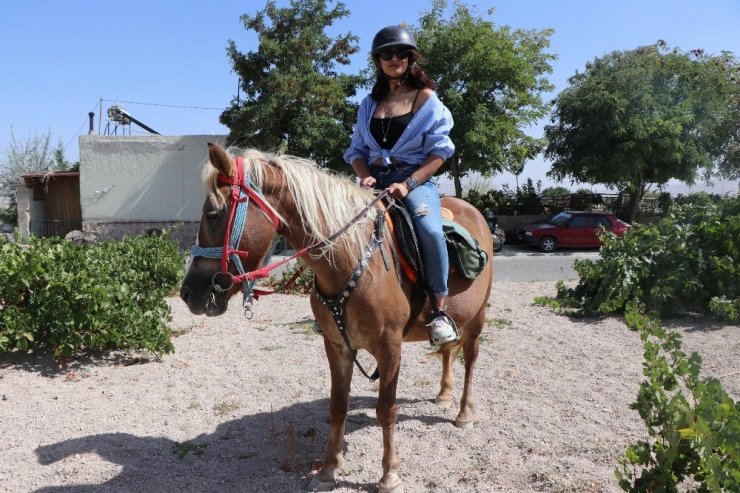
(214, 213)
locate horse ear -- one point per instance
(221, 160)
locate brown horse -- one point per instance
(306, 205)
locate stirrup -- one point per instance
(442, 338)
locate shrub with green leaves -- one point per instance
(689, 262)
(302, 284)
(63, 299)
(693, 425)
(9, 215)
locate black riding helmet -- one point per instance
(392, 36)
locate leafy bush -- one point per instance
(689, 262)
(692, 424)
(302, 284)
(9, 215)
(525, 200)
(63, 299)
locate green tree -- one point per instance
(558, 191)
(60, 161)
(492, 79)
(294, 99)
(34, 154)
(638, 118)
(528, 198)
(555, 199)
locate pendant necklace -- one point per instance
(383, 128)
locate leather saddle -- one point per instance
(404, 237)
(399, 222)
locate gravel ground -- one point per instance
(241, 406)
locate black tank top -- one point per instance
(387, 131)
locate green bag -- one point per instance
(464, 252)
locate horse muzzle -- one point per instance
(204, 300)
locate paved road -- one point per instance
(519, 263)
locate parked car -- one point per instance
(571, 229)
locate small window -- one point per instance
(578, 222)
(560, 219)
(601, 221)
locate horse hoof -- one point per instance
(318, 485)
(443, 402)
(464, 425)
(393, 486)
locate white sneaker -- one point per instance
(441, 331)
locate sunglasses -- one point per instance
(401, 54)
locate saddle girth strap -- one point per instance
(336, 305)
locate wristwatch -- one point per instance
(410, 183)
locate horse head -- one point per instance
(236, 231)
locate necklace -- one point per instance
(383, 128)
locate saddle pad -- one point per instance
(405, 240)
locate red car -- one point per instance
(571, 229)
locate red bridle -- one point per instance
(239, 184)
(241, 192)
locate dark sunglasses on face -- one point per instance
(401, 54)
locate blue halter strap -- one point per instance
(242, 189)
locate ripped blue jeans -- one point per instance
(425, 209)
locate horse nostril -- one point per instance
(185, 293)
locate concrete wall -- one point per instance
(24, 199)
(132, 184)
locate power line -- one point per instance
(165, 105)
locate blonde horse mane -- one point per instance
(325, 201)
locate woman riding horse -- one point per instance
(400, 141)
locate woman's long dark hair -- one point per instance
(414, 77)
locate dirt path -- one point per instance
(241, 406)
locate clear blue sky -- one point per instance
(59, 58)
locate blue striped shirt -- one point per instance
(428, 133)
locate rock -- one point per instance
(77, 237)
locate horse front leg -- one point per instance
(447, 382)
(340, 364)
(387, 411)
(465, 418)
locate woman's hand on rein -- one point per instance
(398, 190)
(368, 182)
